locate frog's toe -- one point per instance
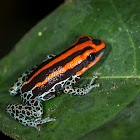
(96, 85)
(93, 79)
(38, 128)
(55, 119)
(48, 119)
(95, 76)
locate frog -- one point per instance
(56, 74)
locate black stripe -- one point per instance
(96, 42)
(71, 72)
(41, 76)
(80, 41)
(83, 39)
(39, 67)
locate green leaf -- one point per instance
(81, 117)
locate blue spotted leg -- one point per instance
(69, 89)
(30, 112)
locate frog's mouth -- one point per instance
(100, 53)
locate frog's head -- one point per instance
(92, 52)
(95, 53)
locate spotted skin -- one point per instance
(69, 89)
(16, 87)
(57, 73)
(31, 107)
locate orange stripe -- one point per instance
(77, 60)
(68, 53)
(63, 56)
(81, 71)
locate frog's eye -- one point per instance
(91, 57)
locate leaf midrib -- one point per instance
(117, 77)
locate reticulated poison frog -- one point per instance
(55, 74)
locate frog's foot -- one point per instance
(35, 122)
(48, 119)
(69, 89)
(93, 79)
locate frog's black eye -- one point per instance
(91, 57)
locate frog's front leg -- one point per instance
(29, 114)
(49, 57)
(15, 89)
(69, 89)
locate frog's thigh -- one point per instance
(69, 89)
(22, 113)
(28, 115)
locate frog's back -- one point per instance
(53, 73)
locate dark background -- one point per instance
(17, 17)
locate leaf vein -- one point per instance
(126, 29)
(117, 77)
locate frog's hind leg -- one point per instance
(29, 114)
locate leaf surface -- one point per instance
(116, 23)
